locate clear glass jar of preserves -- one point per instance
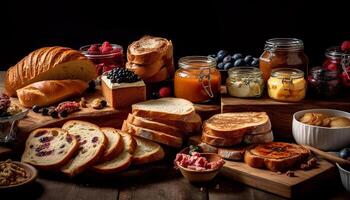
(287, 84)
(197, 79)
(244, 82)
(283, 53)
(324, 83)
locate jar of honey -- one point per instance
(283, 53)
(287, 84)
(197, 79)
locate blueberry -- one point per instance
(222, 52)
(45, 111)
(228, 65)
(345, 153)
(220, 57)
(248, 59)
(238, 62)
(255, 62)
(227, 59)
(54, 114)
(64, 113)
(221, 65)
(36, 109)
(92, 86)
(104, 103)
(154, 95)
(237, 56)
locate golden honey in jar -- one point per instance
(283, 53)
(197, 79)
(287, 84)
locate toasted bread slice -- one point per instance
(228, 124)
(206, 148)
(114, 145)
(153, 135)
(258, 138)
(120, 162)
(49, 148)
(149, 49)
(149, 124)
(219, 141)
(146, 71)
(169, 108)
(147, 151)
(275, 156)
(159, 76)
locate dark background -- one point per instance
(195, 28)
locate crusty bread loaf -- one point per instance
(115, 143)
(147, 151)
(49, 63)
(169, 108)
(275, 156)
(149, 124)
(49, 92)
(145, 71)
(122, 161)
(49, 148)
(153, 135)
(258, 138)
(220, 141)
(159, 76)
(92, 144)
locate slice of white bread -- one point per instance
(153, 135)
(235, 124)
(115, 143)
(49, 148)
(169, 108)
(92, 144)
(122, 161)
(147, 151)
(149, 124)
(220, 141)
(258, 138)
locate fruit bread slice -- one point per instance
(145, 123)
(115, 143)
(92, 144)
(258, 138)
(153, 135)
(165, 108)
(49, 148)
(228, 124)
(219, 141)
(147, 151)
(122, 161)
(275, 156)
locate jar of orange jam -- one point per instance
(197, 79)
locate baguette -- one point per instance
(147, 151)
(50, 92)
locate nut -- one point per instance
(98, 103)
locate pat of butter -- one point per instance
(121, 85)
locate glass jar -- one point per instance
(287, 84)
(283, 53)
(244, 82)
(197, 79)
(324, 83)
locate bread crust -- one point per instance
(116, 147)
(148, 157)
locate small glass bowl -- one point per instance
(8, 126)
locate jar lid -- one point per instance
(289, 73)
(335, 52)
(197, 62)
(244, 71)
(284, 44)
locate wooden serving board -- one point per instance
(279, 184)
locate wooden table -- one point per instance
(158, 181)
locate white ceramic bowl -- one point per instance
(323, 138)
(345, 177)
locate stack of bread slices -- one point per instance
(229, 133)
(166, 121)
(80, 146)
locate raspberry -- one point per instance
(105, 44)
(94, 49)
(106, 50)
(332, 67)
(164, 92)
(345, 46)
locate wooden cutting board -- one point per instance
(279, 184)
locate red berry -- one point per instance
(106, 50)
(164, 92)
(94, 49)
(332, 67)
(105, 44)
(345, 46)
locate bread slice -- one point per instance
(146, 71)
(92, 144)
(120, 162)
(147, 151)
(235, 124)
(145, 123)
(206, 148)
(149, 49)
(220, 141)
(159, 76)
(115, 143)
(235, 153)
(275, 156)
(153, 135)
(169, 108)
(258, 138)
(49, 148)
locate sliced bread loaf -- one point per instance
(147, 151)
(49, 148)
(92, 144)
(115, 143)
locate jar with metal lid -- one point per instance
(324, 83)
(283, 53)
(197, 79)
(244, 82)
(287, 84)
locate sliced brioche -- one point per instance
(147, 151)
(122, 161)
(145, 123)
(92, 144)
(169, 108)
(49, 148)
(220, 141)
(115, 143)
(258, 138)
(153, 135)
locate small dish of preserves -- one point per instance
(14, 174)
